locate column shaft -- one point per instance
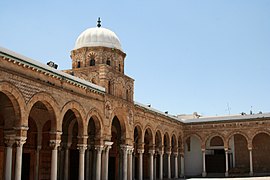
(161, 165)
(54, 165)
(169, 164)
(124, 164)
(8, 163)
(151, 163)
(130, 165)
(140, 152)
(81, 162)
(227, 164)
(66, 165)
(176, 165)
(250, 163)
(18, 165)
(106, 162)
(182, 166)
(98, 161)
(204, 166)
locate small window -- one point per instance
(78, 64)
(119, 67)
(92, 62)
(108, 62)
(109, 87)
(127, 94)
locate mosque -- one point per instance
(83, 123)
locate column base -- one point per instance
(251, 174)
(226, 174)
(204, 174)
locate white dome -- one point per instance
(94, 37)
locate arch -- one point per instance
(193, 134)
(214, 134)
(259, 132)
(121, 116)
(50, 103)
(17, 101)
(158, 136)
(79, 112)
(235, 133)
(150, 135)
(140, 133)
(174, 143)
(96, 116)
(166, 140)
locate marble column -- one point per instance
(125, 149)
(169, 164)
(18, 165)
(54, 144)
(250, 162)
(130, 152)
(66, 163)
(175, 164)
(140, 164)
(9, 141)
(226, 163)
(182, 166)
(98, 149)
(160, 164)
(204, 165)
(81, 148)
(105, 164)
(151, 164)
(155, 166)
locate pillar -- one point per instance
(226, 163)
(176, 164)
(9, 141)
(125, 149)
(155, 166)
(98, 149)
(54, 144)
(105, 163)
(204, 165)
(130, 151)
(182, 166)
(140, 153)
(81, 148)
(160, 164)
(151, 164)
(169, 164)
(66, 163)
(250, 162)
(18, 166)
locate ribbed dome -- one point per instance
(94, 37)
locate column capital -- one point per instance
(20, 141)
(160, 152)
(125, 147)
(203, 149)
(151, 151)
(226, 149)
(99, 148)
(168, 152)
(55, 144)
(82, 147)
(250, 148)
(140, 151)
(9, 140)
(175, 154)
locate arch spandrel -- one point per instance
(17, 101)
(79, 112)
(51, 105)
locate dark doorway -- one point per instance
(26, 166)
(112, 169)
(215, 162)
(74, 164)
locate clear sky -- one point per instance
(185, 55)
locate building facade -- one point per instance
(83, 124)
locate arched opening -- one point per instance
(148, 143)
(215, 155)
(159, 147)
(115, 155)
(108, 62)
(69, 143)
(167, 148)
(92, 62)
(78, 64)
(90, 153)
(9, 114)
(260, 153)
(238, 155)
(137, 145)
(193, 156)
(174, 150)
(36, 159)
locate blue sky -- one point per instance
(185, 55)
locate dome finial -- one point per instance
(99, 22)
